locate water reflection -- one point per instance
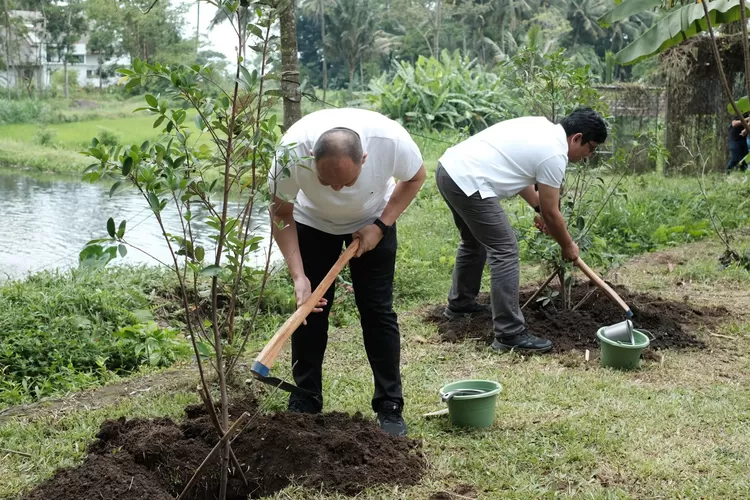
(46, 223)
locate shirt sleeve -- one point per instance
(551, 171)
(408, 160)
(281, 180)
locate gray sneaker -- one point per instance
(467, 312)
(522, 342)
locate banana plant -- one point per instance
(680, 23)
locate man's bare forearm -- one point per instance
(556, 227)
(403, 194)
(530, 195)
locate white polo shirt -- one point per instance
(509, 156)
(391, 152)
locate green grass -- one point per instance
(562, 428)
(59, 330)
(36, 158)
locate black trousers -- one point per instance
(372, 280)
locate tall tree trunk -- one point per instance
(197, 28)
(7, 48)
(67, 50)
(322, 8)
(438, 23)
(290, 65)
(352, 67)
(65, 72)
(361, 75)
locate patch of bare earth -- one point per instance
(155, 458)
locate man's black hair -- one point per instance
(588, 122)
(339, 141)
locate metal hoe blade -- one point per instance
(286, 386)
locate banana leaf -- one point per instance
(678, 26)
(626, 9)
(743, 105)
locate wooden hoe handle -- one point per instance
(605, 287)
(267, 357)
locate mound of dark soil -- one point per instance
(670, 323)
(154, 459)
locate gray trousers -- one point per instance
(486, 236)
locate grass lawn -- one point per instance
(19, 146)
(564, 427)
(677, 427)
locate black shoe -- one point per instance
(300, 405)
(467, 312)
(522, 342)
(390, 419)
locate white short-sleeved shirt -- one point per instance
(509, 156)
(391, 152)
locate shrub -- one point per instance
(22, 111)
(59, 330)
(44, 136)
(451, 93)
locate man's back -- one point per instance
(506, 157)
(390, 153)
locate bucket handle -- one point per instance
(653, 337)
(459, 392)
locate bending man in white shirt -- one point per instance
(503, 160)
(347, 191)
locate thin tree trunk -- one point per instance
(65, 62)
(290, 65)
(438, 22)
(65, 72)
(323, 46)
(352, 67)
(197, 28)
(361, 75)
(7, 48)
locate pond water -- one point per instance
(47, 222)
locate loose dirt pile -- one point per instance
(154, 459)
(670, 323)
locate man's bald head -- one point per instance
(338, 158)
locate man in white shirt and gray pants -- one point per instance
(347, 191)
(503, 160)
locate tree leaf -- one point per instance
(123, 250)
(158, 121)
(153, 202)
(626, 9)
(111, 227)
(127, 165)
(115, 187)
(676, 27)
(204, 349)
(212, 270)
(199, 253)
(152, 101)
(121, 229)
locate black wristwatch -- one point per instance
(382, 226)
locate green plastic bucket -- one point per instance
(472, 410)
(622, 355)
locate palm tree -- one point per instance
(353, 33)
(318, 8)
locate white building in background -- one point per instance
(33, 61)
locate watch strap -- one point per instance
(382, 226)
